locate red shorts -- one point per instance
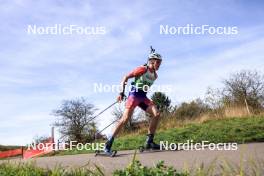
(142, 102)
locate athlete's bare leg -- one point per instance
(155, 116)
(126, 116)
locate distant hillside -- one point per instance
(7, 147)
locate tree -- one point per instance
(245, 87)
(74, 120)
(191, 110)
(40, 139)
(162, 101)
(213, 98)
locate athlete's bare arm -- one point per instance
(136, 72)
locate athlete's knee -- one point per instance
(127, 114)
(123, 121)
(157, 115)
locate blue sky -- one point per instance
(37, 72)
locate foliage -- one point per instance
(245, 87)
(75, 120)
(162, 101)
(190, 110)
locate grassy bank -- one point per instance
(7, 147)
(240, 130)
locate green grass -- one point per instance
(7, 147)
(74, 151)
(239, 130)
(31, 169)
(135, 168)
(216, 167)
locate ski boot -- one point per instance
(107, 150)
(150, 145)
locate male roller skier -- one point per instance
(144, 77)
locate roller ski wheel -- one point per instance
(143, 149)
(103, 153)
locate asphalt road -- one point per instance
(177, 159)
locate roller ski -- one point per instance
(150, 145)
(107, 150)
(105, 153)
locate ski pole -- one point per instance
(104, 128)
(107, 125)
(102, 111)
(105, 109)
